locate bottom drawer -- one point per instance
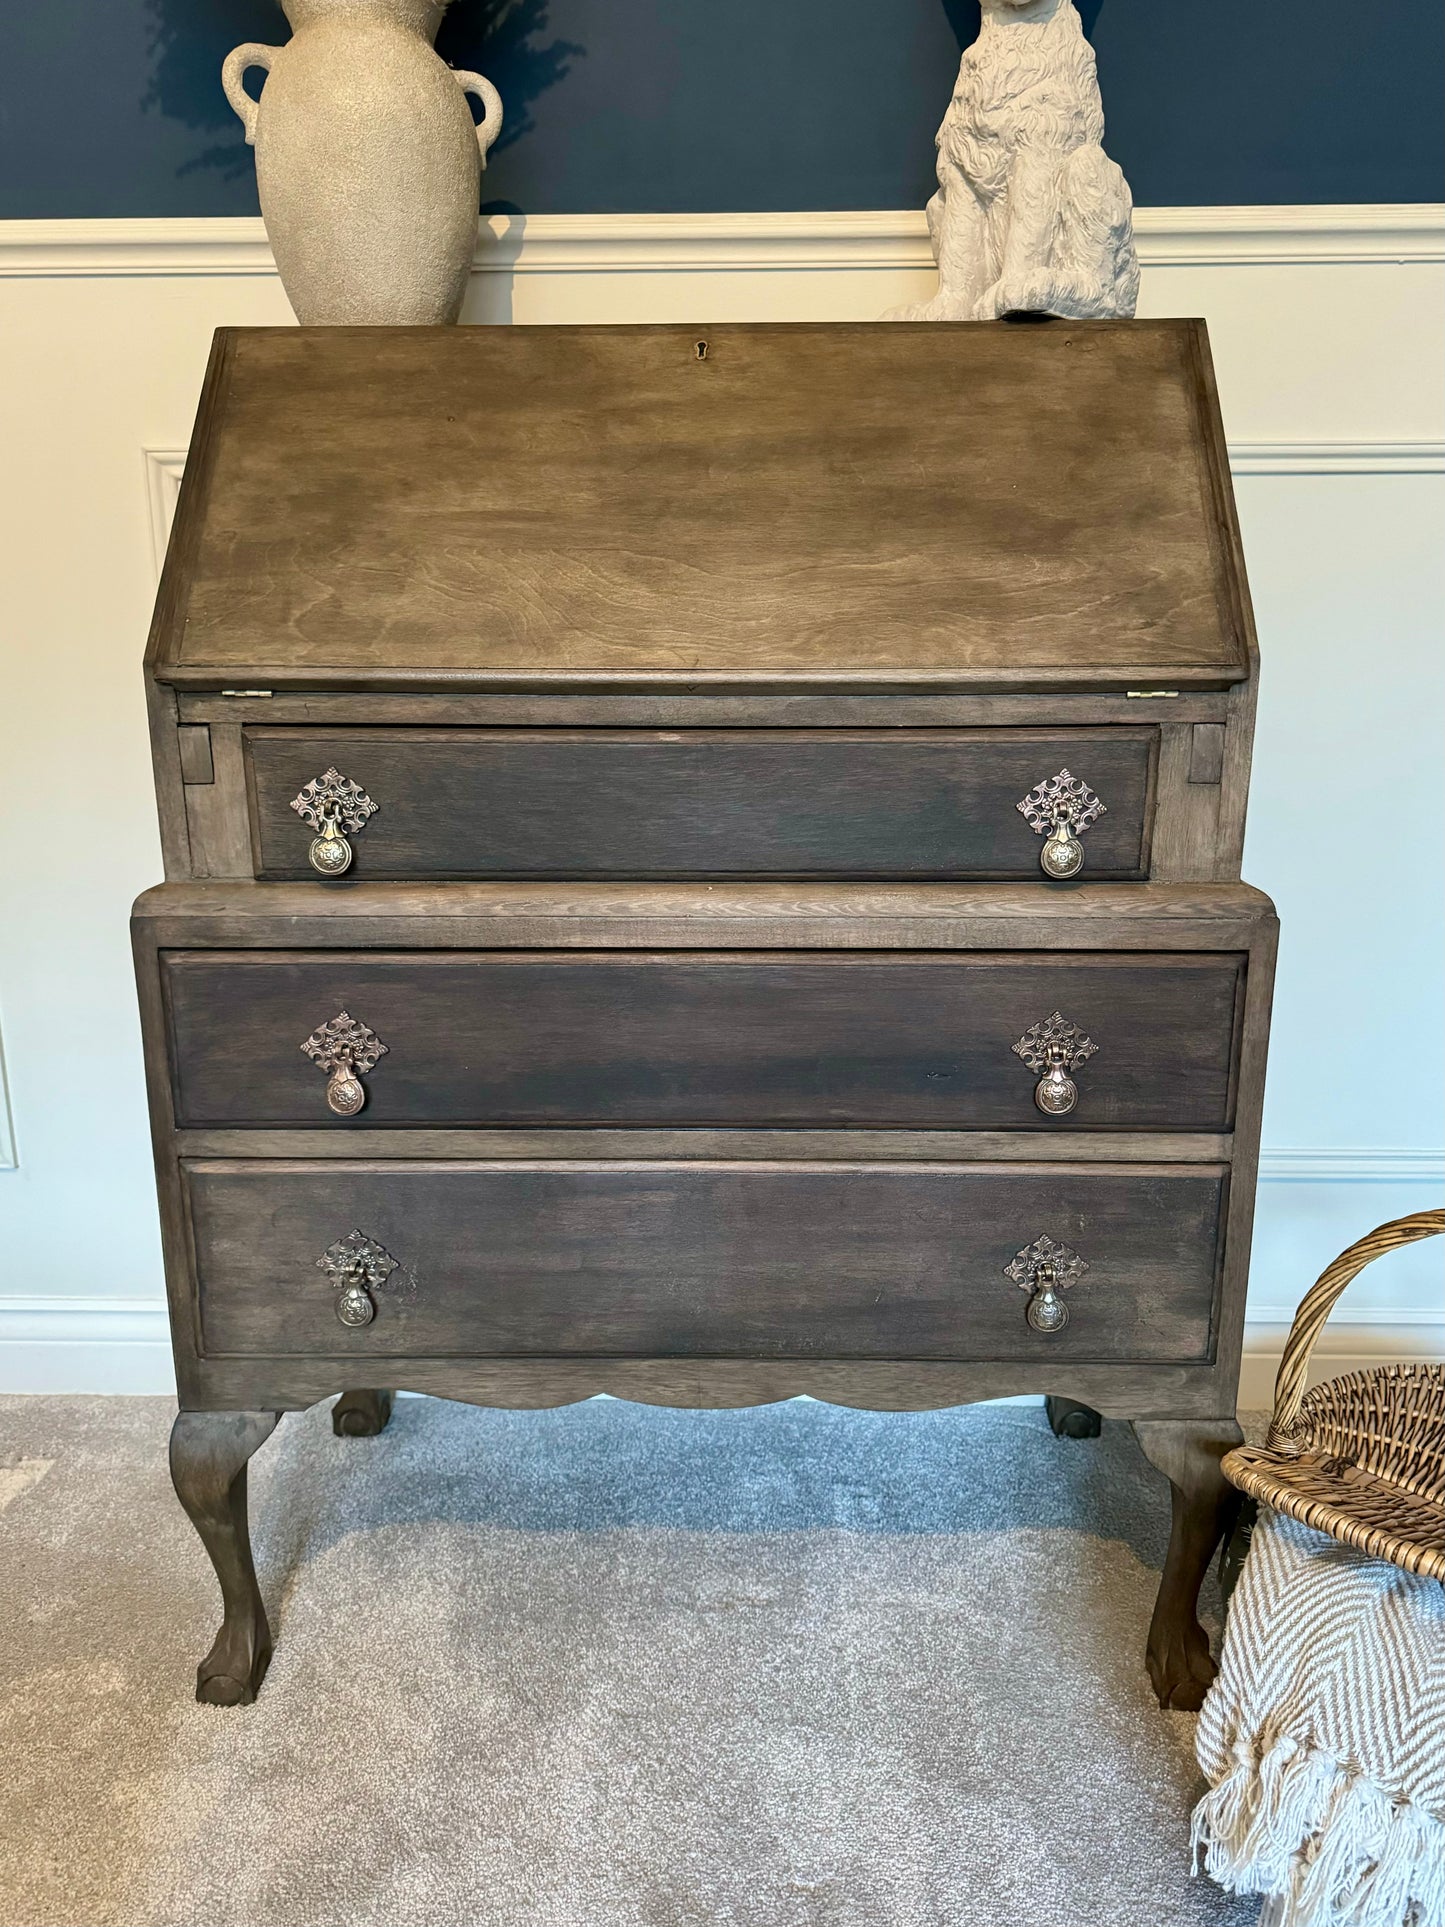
(724, 1260)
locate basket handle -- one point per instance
(1316, 1306)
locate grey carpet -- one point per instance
(601, 1667)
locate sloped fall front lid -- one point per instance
(847, 505)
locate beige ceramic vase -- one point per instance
(368, 163)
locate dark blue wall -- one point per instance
(114, 107)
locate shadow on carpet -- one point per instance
(606, 1666)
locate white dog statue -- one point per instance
(1031, 216)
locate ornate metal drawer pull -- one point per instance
(1065, 806)
(348, 1050)
(1052, 1049)
(1044, 1269)
(358, 1267)
(332, 804)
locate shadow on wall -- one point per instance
(186, 45)
(504, 39)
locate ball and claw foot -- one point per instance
(1203, 1509)
(1180, 1667)
(1070, 1420)
(361, 1415)
(209, 1455)
(232, 1672)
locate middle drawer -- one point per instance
(924, 1040)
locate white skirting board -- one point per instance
(1326, 330)
(84, 1345)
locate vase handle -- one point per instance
(478, 84)
(251, 54)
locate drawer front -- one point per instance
(924, 1040)
(705, 1260)
(700, 803)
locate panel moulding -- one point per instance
(881, 238)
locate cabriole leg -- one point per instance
(361, 1415)
(209, 1454)
(1187, 1452)
(1070, 1420)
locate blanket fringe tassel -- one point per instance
(1290, 1820)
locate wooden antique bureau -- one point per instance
(704, 865)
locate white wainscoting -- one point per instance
(7, 1129)
(1327, 331)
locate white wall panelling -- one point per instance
(164, 468)
(7, 1128)
(1337, 458)
(871, 239)
(1327, 330)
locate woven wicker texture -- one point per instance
(1361, 1457)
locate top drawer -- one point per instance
(479, 803)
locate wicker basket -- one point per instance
(1361, 1457)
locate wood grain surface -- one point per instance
(723, 916)
(723, 1260)
(703, 1039)
(965, 504)
(885, 1385)
(795, 1142)
(595, 802)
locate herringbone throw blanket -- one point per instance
(1324, 1736)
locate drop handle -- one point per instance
(330, 853)
(358, 1269)
(346, 1049)
(1046, 1311)
(1052, 1049)
(355, 1305)
(1056, 1092)
(1045, 1269)
(336, 809)
(1060, 809)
